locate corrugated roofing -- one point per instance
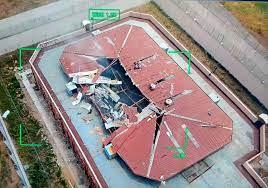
(142, 146)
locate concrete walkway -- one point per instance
(209, 24)
(50, 21)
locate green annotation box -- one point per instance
(187, 53)
(21, 51)
(103, 14)
(180, 151)
(23, 144)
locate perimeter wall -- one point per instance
(63, 119)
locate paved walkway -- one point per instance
(213, 28)
(50, 21)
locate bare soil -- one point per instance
(12, 7)
(8, 175)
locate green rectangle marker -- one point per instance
(187, 53)
(180, 152)
(26, 145)
(103, 14)
(21, 50)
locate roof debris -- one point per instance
(78, 99)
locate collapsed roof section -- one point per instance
(176, 104)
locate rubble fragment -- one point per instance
(78, 99)
(71, 88)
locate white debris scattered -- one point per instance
(70, 88)
(88, 79)
(111, 124)
(86, 73)
(105, 80)
(92, 89)
(78, 99)
(6, 114)
(83, 79)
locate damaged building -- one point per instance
(121, 78)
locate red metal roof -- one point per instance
(104, 45)
(210, 127)
(73, 64)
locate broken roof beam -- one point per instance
(105, 80)
(112, 94)
(189, 134)
(90, 80)
(147, 111)
(119, 51)
(110, 65)
(173, 140)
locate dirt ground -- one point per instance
(12, 7)
(8, 175)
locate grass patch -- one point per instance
(263, 6)
(200, 53)
(43, 170)
(252, 15)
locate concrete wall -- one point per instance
(226, 46)
(247, 164)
